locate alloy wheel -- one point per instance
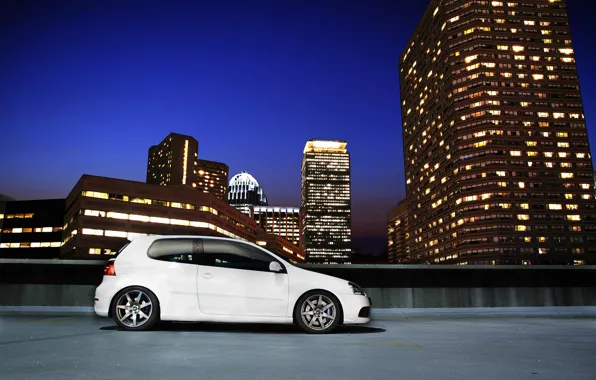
(134, 308)
(318, 312)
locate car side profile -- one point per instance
(211, 279)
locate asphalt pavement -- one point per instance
(85, 347)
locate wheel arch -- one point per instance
(113, 300)
(341, 308)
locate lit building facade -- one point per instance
(497, 159)
(244, 192)
(102, 213)
(211, 178)
(397, 230)
(281, 221)
(326, 202)
(31, 229)
(172, 162)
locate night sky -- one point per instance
(88, 86)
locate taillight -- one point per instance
(109, 269)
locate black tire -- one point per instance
(138, 302)
(325, 320)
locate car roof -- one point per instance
(151, 238)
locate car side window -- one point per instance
(234, 255)
(174, 250)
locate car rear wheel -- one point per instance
(318, 312)
(135, 309)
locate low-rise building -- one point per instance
(31, 229)
(103, 213)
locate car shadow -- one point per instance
(253, 328)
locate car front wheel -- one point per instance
(135, 309)
(318, 312)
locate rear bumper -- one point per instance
(102, 302)
(356, 309)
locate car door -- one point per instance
(234, 279)
(175, 276)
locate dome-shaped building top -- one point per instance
(244, 191)
(243, 178)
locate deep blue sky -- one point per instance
(88, 86)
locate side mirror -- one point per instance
(274, 266)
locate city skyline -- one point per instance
(57, 129)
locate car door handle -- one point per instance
(207, 275)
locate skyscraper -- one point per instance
(497, 159)
(397, 229)
(172, 162)
(326, 202)
(212, 178)
(244, 192)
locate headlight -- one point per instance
(356, 289)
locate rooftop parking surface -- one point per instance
(85, 347)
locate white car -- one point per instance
(190, 278)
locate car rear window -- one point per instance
(168, 247)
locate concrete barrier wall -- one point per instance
(46, 295)
(82, 295)
(480, 297)
(72, 283)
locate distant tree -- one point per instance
(6, 198)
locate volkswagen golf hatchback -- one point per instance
(190, 278)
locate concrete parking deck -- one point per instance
(84, 347)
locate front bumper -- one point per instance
(356, 309)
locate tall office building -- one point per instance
(398, 236)
(172, 162)
(326, 202)
(244, 192)
(497, 159)
(280, 221)
(212, 178)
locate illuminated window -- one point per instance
(94, 213)
(554, 206)
(95, 194)
(91, 231)
(515, 153)
(523, 216)
(568, 196)
(521, 227)
(94, 251)
(120, 234)
(571, 207)
(566, 175)
(537, 76)
(117, 215)
(574, 218)
(558, 115)
(524, 206)
(517, 48)
(139, 218)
